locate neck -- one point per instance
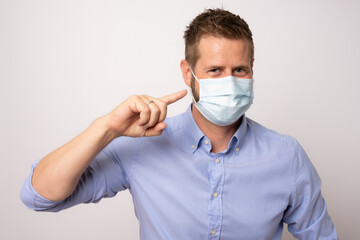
(218, 135)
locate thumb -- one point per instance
(156, 130)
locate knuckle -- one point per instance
(135, 97)
(156, 109)
(146, 111)
(162, 104)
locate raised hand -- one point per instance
(141, 115)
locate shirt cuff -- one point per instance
(32, 199)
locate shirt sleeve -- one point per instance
(104, 177)
(307, 216)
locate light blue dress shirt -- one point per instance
(181, 190)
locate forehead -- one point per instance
(223, 51)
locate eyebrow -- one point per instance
(214, 67)
(242, 66)
(222, 67)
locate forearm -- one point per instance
(58, 173)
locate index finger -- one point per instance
(171, 98)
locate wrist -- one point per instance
(106, 133)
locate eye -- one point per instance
(239, 70)
(214, 72)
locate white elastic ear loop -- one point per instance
(194, 74)
(196, 80)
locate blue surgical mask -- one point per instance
(223, 101)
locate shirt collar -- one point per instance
(240, 134)
(190, 136)
(192, 133)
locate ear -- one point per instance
(186, 72)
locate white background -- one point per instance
(64, 63)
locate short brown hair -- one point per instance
(215, 22)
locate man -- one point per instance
(209, 173)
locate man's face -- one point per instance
(221, 57)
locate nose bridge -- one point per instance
(228, 72)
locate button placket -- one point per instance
(215, 204)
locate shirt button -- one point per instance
(215, 194)
(213, 232)
(206, 142)
(237, 149)
(217, 160)
(193, 146)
